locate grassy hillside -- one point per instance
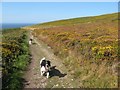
(102, 18)
(15, 57)
(88, 47)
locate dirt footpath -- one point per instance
(59, 76)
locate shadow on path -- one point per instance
(56, 72)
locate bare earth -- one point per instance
(60, 77)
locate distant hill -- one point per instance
(101, 18)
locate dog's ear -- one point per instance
(53, 67)
(49, 61)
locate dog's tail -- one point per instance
(42, 59)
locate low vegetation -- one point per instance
(15, 58)
(88, 47)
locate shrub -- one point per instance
(15, 57)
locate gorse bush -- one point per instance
(101, 52)
(15, 58)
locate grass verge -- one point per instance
(15, 58)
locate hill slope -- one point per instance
(87, 46)
(103, 18)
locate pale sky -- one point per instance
(38, 12)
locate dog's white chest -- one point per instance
(43, 68)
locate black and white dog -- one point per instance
(31, 39)
(45, 67)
